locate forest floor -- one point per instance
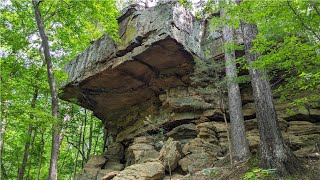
(249, 171)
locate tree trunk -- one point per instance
(25, 154)
(83, 137)
(90, 137)
(31, 149)
(79, 144)
(95, 144)
(75, 165)
(240, 146)
(274, 153)
(53, 170)
(2, 131)
(40, 158)
(27, 145)
(105, 139)
(3, 172)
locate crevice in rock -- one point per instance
(303, 117)
(138, 41)
(253, 116)
(153, 69)
(92, 103)
(171, 125)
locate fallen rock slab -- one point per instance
(144, 171)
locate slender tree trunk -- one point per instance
(90, 138)
(105, 139)
(25, 154)
(4, 173)
(95, 145)
(240, 146)
(53, 170)
(40, 157)
(83, 137)
(223, 111)
(27, 145)
(274, 153)
(2, 132)
(31, 149)
(75, 165)
(79, 144)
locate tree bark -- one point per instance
(40, 158)
(95, 144)
(53, 169)
(239, 143)
(31, 149)
(75, 165)
(27, 145)
(83, 137)
(25, 155)
(79, 144)
(90, 137)
(274, 153)
(3, 172)
(2, 132)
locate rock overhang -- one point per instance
(156, 52)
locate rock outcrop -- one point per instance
(141, 150)
(144, 171)
(170, 154)
(157, 92)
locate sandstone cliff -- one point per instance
(157, 92)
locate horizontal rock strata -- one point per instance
(157, 92)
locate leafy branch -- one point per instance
(302, 22)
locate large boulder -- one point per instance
(96, 162)
(145, 171)
(88, 174)
(174, 176)
(92, 168)
(141, 150)
(199, 154)
(109, 175)
(115, 152)
(170, 154)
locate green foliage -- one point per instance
(288, 42)
(186, 3)
(255, 173)
(258, 174)
(71, 25)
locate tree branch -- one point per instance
(301, 21)
(72, 144)
(38, 3)
(314, 5)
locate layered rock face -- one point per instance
(157, 92)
